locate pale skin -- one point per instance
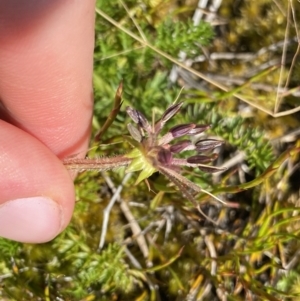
(46, 101)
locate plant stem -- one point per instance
(103, 164)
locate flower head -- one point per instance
(154, 152)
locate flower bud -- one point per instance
(171, 111)
(133, 114)
(143, 122)
(180, 146)
(199, 128)
(139, 118)
(182, 129)
(207, 144)
(164, 156)
(134, 132)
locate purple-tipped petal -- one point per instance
(201, 159)
(171, 111)
(181, 130)
(180, 146)
(199, 128)
(164, 156)
(207, 144)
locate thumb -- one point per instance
(37, 193)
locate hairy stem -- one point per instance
(104, 163)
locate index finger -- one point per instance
(46, 50)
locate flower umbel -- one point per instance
(153, 152)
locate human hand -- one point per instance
(46, 101)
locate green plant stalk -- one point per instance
(113, 113)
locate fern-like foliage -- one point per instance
(185, 36)
(237, 132)
(9, 249)
(107, 272)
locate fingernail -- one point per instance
(30, 220)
